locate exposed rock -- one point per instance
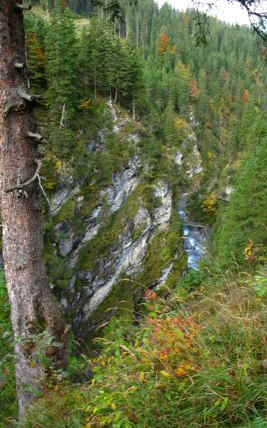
(228, 191)
(65, 237)
(127, 256)
(134, 137)
(163, 212)
(118, 121)
(80, 230)
(129, 261)
(194, 163)
(142, 218)
(122, 185)
(62, 196)
(94, 146)
(179, 158)
(92, 225)
(165, 274)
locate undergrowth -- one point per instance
(196, 358)
(8, 405)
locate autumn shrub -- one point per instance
(200, 363)
(209, 205)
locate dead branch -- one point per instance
(19, 65)
(36, 176)
(35, 136)
(13, 103)
(42, 190)
(62, 117)
(26, 183)
(23, 94)
(23, 7)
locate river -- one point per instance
(195, 236)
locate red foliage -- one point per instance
(245, 96)
(164, 40)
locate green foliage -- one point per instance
(101, 52)
(242, 236)
(35, 34)
(61, 51)
(8, 405)
(164, 250)
(197, 364)
(197, 357)
(107, 238)
(259, 283)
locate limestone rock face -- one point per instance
(194, 163)
(105, 234)
(122, 185)
(126, 255)
(163, 212)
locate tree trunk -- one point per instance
(34, 312)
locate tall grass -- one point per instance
(197, 359)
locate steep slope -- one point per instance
(113, 240)
(131, 136)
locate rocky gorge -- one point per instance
(124, 238)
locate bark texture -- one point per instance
(34, 310)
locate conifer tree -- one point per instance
(40, 333)
(61, 51)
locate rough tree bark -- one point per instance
(34, 311)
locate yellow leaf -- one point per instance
(180, 371)
(165, 373)
(141, 377)
(132, 389)
(113, 406)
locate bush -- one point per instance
(199, 365)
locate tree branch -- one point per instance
(36, 176)
(35, 136)
(62, 117)
(23, 94)
(19, 65)
(42, 190)
(23, 7)
(26, 183)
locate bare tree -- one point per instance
(40, 332)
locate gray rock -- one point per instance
(62, 196)
(162, 214)
(123, 184)
(179, 158)
(165, 274)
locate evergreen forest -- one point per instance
(151, 125)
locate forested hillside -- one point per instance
(147, 128)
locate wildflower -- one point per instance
(165, 373)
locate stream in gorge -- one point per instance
(195, 236)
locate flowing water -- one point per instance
(195, 236)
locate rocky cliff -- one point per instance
(108, 240)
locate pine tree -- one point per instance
(61, 51)
(36, 319)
